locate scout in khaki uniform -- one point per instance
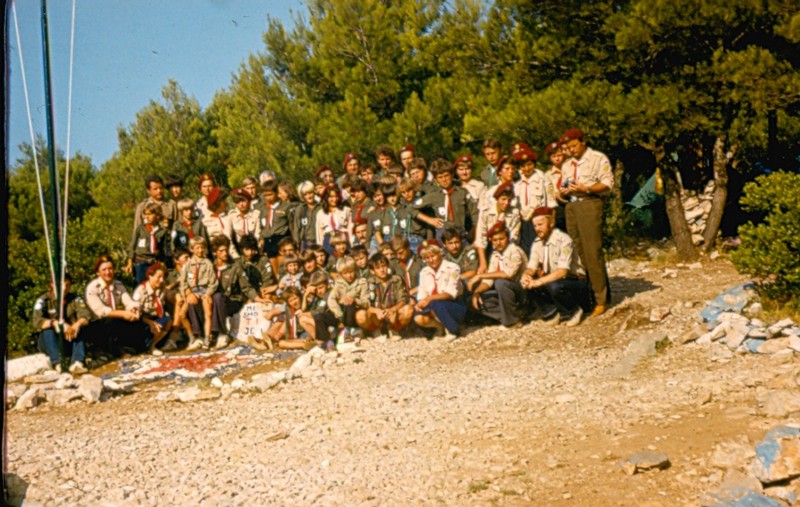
(242, 220)
(499, 211)
(586, 180)
(349, 299)
(554, 277)
(465, 258)
(214, 217)
(463, 168)
(531, 191)
(439, 303)
(198, 284)
(555, 154)
(155, 192)
(233, 291)
(498, 293)
(150, 243)
(187, 226)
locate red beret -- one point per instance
(522, 153)
(425, 244)
(347, 158)
(213, 197)
(571, 134)
(463, 159)
(322, 169)
(543, 212)
(408, 147)
(499, 226)
(501, 189)
(360, 221)
(550, 148)
(240, 193)
(502, 160)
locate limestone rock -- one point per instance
(21, 367)
(217, 382)
(690, 334)
(194, 393)
(659, 313)
(42, 378)
(778, 455)
(91, 388)
(773, 346)
(62, 396)
(644, 460)
(31, 398)
(778, 402)
(266, 382)
(732, 455)
(65, 381)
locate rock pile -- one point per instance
(773, 478)
(60, 389)
(696, 207)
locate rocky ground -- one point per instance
(534, 416)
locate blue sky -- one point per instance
(125, 51)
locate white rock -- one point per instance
(238, 384)
(62, 396)
(565, 398)
(302, 363)
(263, 383)
(65, 381)
(758, 332)
(773, 346)
(659, 313)
(737, 332)
(714, 255)
(90, 387)
(31, 398)
(717, 333)
(695, 265)
(794, 343)
(43, 378)
(217, 382)
(21, 367)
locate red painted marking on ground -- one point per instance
(196, 364)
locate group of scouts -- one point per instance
(361, 255)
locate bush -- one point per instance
(770, 251)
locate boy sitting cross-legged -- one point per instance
(390, 308)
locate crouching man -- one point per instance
(554, 277)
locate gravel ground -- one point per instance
(536, 416)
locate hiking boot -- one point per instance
(575, 319)
(554, 320)
(77, 368)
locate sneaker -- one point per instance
(57, 367)
(394, 336)
(341, 336)
(575, 319)
(223, 341)
(554, 320)
(170, 345)
(514, 325)
(156, 352)
(356, 332)
(77, 368)
(450, 337)
(196, 344)
(208, 341)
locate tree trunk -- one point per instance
(681, 234)
(720, 194)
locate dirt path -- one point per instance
(537, 416)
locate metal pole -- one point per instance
(54, 186)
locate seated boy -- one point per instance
(291, 265)
(349, 299)
(315, 301)
(233, 291)
(340, 246)
(288, 332)
(360, 255)
(405, 264)
(466, 258)
(390, 310)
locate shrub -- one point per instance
(770, 251)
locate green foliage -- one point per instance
(770, 251)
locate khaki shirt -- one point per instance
(102, 298)
(358, 290)
(328, 223)
(46, 308)
(531, 193)
(242, 225)
(557, 252)
(200, 276)
(149, 300)
(489, 217)
(447, 279)
(216, 225)
(386, 296)
(467, 259)
(476, 188)
(511, 261)
(593, 167)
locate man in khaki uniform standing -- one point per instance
(586, 181)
